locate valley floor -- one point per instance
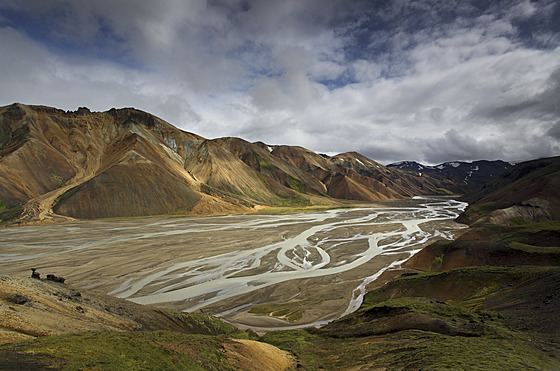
(258, 271)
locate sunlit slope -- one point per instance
(57, 165)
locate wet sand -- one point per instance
(260, 271)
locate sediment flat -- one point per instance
(261, 271)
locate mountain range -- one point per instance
(57, 165)
(466, 177)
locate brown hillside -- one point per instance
(259, 157)
(58, 165)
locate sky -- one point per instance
(429, 80)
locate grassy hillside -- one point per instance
(497, 308)
(420, 322)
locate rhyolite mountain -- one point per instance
(465, 177)
(57, 165)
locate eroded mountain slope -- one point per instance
(58, 165)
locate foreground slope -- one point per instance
(45, 324)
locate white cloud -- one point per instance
(429, 81)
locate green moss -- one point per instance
(3, 205)
(485, 208)
(9, 212)
(490, 345)
(296, 200)
(205, 324)
(57, 178)
(157, 350)
(519, 221)
(309, 349)
(535, 249)
(412, 350)
(539, 228)
(295, 184)
(545, 233)
(263, 164)
(464, 285)
(301, 209)
(436, 263)
(446, 191)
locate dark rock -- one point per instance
(18, 299)
(409, 274)
(52, 277)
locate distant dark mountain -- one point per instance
(528, 192)
(465, 176)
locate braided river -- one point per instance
(258, 271)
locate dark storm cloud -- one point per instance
(427, 80)
(554, 131)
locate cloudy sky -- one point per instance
(428, 80)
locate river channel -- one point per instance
(261, 271)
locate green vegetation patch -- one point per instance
(420, 305)
(4, 205)
(538, 235)
(9, 212)
(471, 338)
(295, 184)
(485, 208)
(412, 350)
(543, 229)
(263, 164)
(149, 350)
(206, 324)
(461, 289)
(57, 178)
(535, 249)
(302, 209)
(288, 311)
(296, 199)
(446, 191)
